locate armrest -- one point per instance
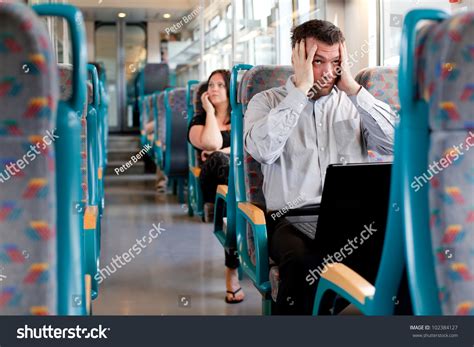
(258, 271)
(222, 189)
(252, 212)
(196, 171)
(348, 280)
(90, 217)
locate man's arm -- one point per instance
(377, 118)
(267, 129)
(377, 121)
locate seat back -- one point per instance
(192, 86)
(161, 124)
(176, 158)
(70, 248)
(256, 80)
(438, 206)
(381, 82)
(197, 108)
(28, 98)
(155, 78)
(249, 176)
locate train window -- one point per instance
(392, 13)
(303, 10)
(214, 21)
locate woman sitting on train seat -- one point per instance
(161, 179)
(209, 133)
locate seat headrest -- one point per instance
(261, 78)
(445, 71)
(381, 82)
(156, 77)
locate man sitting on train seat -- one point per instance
(321, 116)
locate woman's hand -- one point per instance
(205, 154)
(206, 103)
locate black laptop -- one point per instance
(354, 196)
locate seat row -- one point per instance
(50, 231)
(426, 224)
(163, 109)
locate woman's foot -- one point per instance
(234, 294)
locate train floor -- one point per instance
(180, 272)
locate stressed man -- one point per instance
(320, 117)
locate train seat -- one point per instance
(176, 157)
(28, 199)
(250, 218)
(195, 202)
(438, 210)
(381, 82)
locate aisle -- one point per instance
(180, 272)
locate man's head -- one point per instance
(327, 37)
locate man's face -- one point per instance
(325, 62)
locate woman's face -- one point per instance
(216, 89)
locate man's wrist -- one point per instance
(353, 90)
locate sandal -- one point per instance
(233, 294)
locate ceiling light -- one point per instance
(166, 15)
(122, 15)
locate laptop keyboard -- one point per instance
(305, 224)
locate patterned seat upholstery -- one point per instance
(445, 71)
(381, 82)
(254, 81)
(28, 99)
(160, 105)
(176, 161)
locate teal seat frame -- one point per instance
(237, 219)
(415, 136)
(70, 245)
(195, 200)
(91, 236)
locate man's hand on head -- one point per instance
(303, 66)
(346, 82)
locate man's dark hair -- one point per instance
(321, 30)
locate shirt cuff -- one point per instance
(363, 99)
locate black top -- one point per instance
(200, 119)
